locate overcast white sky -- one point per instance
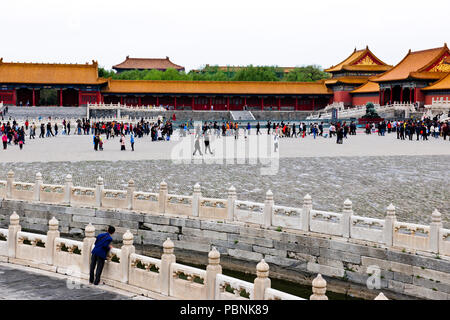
(233, 32)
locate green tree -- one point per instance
(306, 74)
(259, 73)
(103, 73)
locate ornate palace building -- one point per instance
(146, 64)
(352, 73)
(361, 78)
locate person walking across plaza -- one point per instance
(122, 143)
(132, 141)
(41, 135)
(98, 257)
(207, 146)
(4, 140)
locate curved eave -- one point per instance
(369, 87)
(442, 84)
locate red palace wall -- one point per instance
(343, 96)
(7, 96)
(362, 100)
(429, 96)
(419, 95)
(88, 97)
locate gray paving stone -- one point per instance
(22, 285)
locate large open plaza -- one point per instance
(371, 170)
(224, 157)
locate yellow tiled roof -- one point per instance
(218, 87)
(443, 84)
(49, 73)
(356, 61)
(367, 87)
(415, 64)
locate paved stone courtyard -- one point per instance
(19, 283)
(371, 171)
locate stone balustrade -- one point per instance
(125, 107)
(359, 111)
(438, 101)
(137, 273)
(388, 232)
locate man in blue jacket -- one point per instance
(99, 253)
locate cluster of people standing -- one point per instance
(12, 134)
(406, 130)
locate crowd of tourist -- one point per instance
(161, 130)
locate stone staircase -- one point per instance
(242, 115)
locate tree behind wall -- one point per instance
(306, 74)
(48, 97)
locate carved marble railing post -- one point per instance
(319, 288)
(37, 186)
(381, 296)
(196, 200)
(88, 241)
(162, 197)
(13, 228)
(68, 189)
(389, 225)
(262, 281)
(347, 213)
(130, 194)
(167, 259)
(9, 184)
(52, 234)
(212, 269)
(231, 199)
(435, 228)
(99, 192)
(306, 211)
(268, 206)
(127, 250)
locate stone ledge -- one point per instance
(325, 270)
(35, 265)
(136, 290)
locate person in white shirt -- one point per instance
(331, 130)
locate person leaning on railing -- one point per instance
(101, 249)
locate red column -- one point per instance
(210, 103)
(60, 98)
(34, 98)
(390, 100)
(313, 104)
(279, 103)
(401, 94)
(121, 100)
(410, 95)
(14, 97)
(139, 101)
(157, 101)
(228, 103)
(245, 101)
(175, 102)
(79, 97)
(192, 103)
(296, 103)
(382, 98)
(262, 103)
